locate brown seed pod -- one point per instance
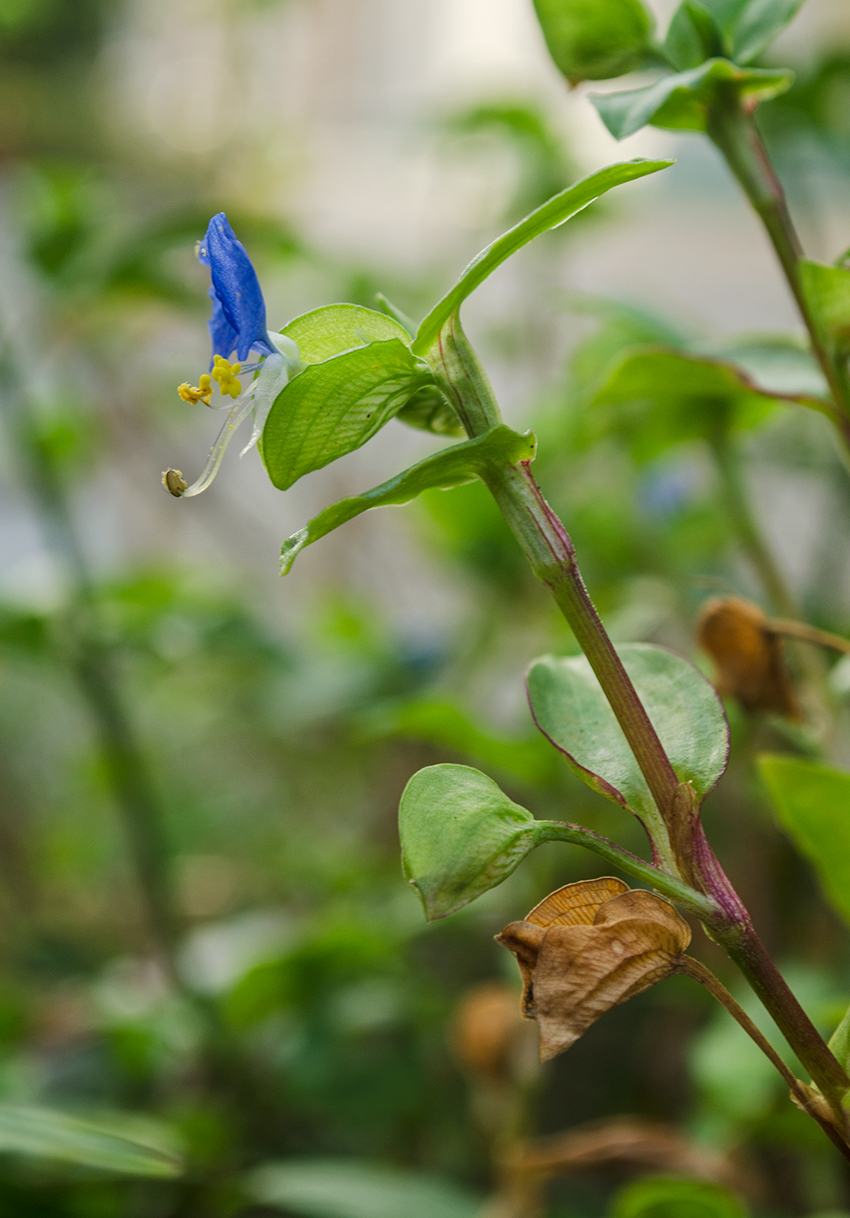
(748, 654)
(590, 947)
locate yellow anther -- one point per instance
(226, 375)
(202, 392)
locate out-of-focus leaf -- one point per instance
(827, 289)
(752, 24)
(439, 721)
(346, 1188)
(460, 836)
(659, 397)
(777, 366)
(571, 710)
(595, 39)
(428, 410)
(555, 211)
(451, 467)
(693, 36)
(813, 804)
(335, 406)
(669, 1197)
(679, 102)
(334, 328)
(47, 1134)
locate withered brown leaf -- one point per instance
(591, 947)
(748, 654)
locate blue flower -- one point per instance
(238, 320)
(238, 323)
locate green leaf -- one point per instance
(671, 1197)
(346, 1188)
(827, 290)
(758, 24)
(813, 804)
(441, 722)
(571, 710)
(460, 836)
(335, 406)
(657, 397)
(144, 1150)
(680, 101)
(332, 329)
(555, 211)
(428, 410)
(451, 467)
(595, 39)
(693, 36)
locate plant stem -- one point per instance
(694, 902)
(732, 128)
(741, 518)
(804, 1098)
(550, 553)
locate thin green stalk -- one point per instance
(744, 527)
(551, 555)
(732, 128)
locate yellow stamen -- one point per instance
(226, 375)
(174, 482)
(202, 392)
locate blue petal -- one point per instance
(223, 335)
(236, 288)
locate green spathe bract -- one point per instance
(595, 39)
(451, 467)
(570, 708)
(460, 836)
(335, 406)
(680, 101)
(813, 805)
(549, 215)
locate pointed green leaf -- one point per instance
(451, 467)
(813, 805)
(595, 39)
(657, 397)
(693, 36)
(334, 328)
(827, 289)
(758, 24)
(45, 1133)
(570, 709)
(679, 102)
(348, 1188)
(333, 407)
(553, 212)
(460, 836)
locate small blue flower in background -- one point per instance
(238, 323)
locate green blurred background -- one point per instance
(202, 917)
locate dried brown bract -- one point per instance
(748, 654)
(590, 947)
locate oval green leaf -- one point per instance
(668, 1197)
(325, 332)
(554, 211)
(335, 406)
(813, 805)
(595, 39)
(460, 836)
(571, 710)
